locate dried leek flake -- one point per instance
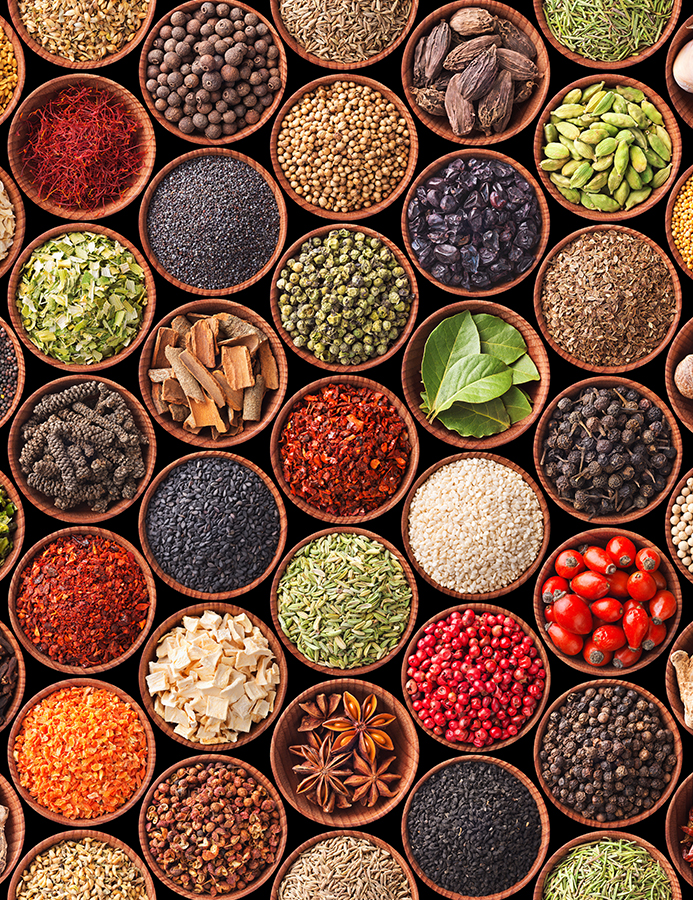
(344, 600)
(81, 752)
(81, 297)
(8, 223)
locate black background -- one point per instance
(257, 449)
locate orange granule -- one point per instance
(81, 752)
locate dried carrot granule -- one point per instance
(81, 752)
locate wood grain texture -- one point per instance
(78, 835)
(600, 537)
(149, 655)
(359, 382)
(81, 514)
(683, 642)
(668, 542)
(677, 815)
(21, 372)
(286, 734)
(543, 818)
(529, 571)
(13, 708)
(15, 827)
(206, 759)
(143, 136)
(573, 391)
(27, 560)
(21, 69)
(539, 310)
(479, 608)
(20, 222)
(681, 347)
(671, 202)
(19, 532)
(16, 727)
(306, 355)
(293, 649)
(151, 559)
(682, 100)
(413, 385)
(356, 214)
(144, 210)
(199, 137)
(273, 400)
(669, 723)
(522, 113)
(438, 166)
(16, 319)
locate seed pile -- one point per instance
(682, 222)
(343, 147)
(8, 71)
(8, 676)
(8, 222)
(681, 522)
(8, 372)
(8, 524)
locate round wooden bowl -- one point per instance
(12, 709)
(359, 835)
(610, 81)
(606, 834)
(522, 114)
(18, 533)
(307, 355)
(609, 381)
(488, 595)
(20, 222)
(149, 655)
(16, 319)
(293, 649)
(543, 817)
(14, 771)
(81, 514)
(682, 100)
(479, 608)
(207, 759)
(40, 98)
(78, 835)
(15, 829)
(683, 642)
(286, 734)
(21, 68)
(151, 559)
(681, 346)
(27, 560)
(154, 184)
(199, 137)
(600, 537)
(366, 212)
(274, 399)
(671, 202)
(21, 372)
(441, 164)
(671, 547)
(412, 384)
(677, 815)
(359, 382)
(541, 319)
(668, 723)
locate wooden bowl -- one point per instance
(78, 835)
(27, 560)
(38, 698)
(488, 595)
(412, 384)
(18, 533)
(682, 100)
(20, 222)
(21, 68)
(149, 655)
(522, 114)
(359, 835)
(286, 734)
(541, 319)
(355, 214)
(669, 723)
(683, 642)
(600, 836)
(600, 537)
(307, 355)
(81, 514)
(359, 382)
(15, 829)
(543, 818)
(438, 166)
(357, 670)
(467, 746)
(154, 184)
(669, 543)
(671, 202)
(16, 319)
(199, 137)
(21, 682)
(207, 759)
(610, 79)
(274, 400)
(609, 381)
(151, 559)
(41, 97)
(677, 815)
(21, 372)
(681, 346)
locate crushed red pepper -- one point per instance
(83, 600)
(344, 450)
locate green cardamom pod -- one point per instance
(639, 138)
(663, 135)
(661, 176)
(597, 183)
(604, 203)
(615, 178)
(604, 163)
(621, 158)
(593, 136)
(633, 178)
(652, 113)
(595, 100)
(586, 200)
(590, 91)
(654, 159)
(603, 105)
(568, 110)
(581, 175)
(560, 180)
(620, 120)
(621, 193)
(571, 195)
(574, 96)
(571, 166)
(636, 113)
(567, 130)
(620, 104)
(659, 147)
(637, 197)
(586, 151)
(635, 95)
(552, 165)
(625, 135)
(550, 133)
(638, 159)
(556, 151)
(606, 147)
(647, 176)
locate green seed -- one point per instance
(633, 179)
(661, 176)
(639, 138)
(635, 112)
(621, 157)
(590, 91)
(604, 203)
(595, 100)
(663, 135)
(620, 120)
(638, 159)
(560, 180)
(556, 151)
(603, 105)
(648, 175)
(571, 166)
(606, 147)
(625, 135)
(572, 196)
(569, 110)
(654, 159)
(581, 175)
(652, 112)
(597, 183)
(593, 135)
(614, 179)
(552, 165)
(659, 147)
(635, 95)
(621, 193)
(550, 133)
(586, 200)
(637, 197)
(574, 96)
(619, 105)
(586, 151)
(567, 130)
(604, 163)
(569, 144)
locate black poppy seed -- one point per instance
(8, 372)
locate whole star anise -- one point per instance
(318, 710)
(372, 781)
(321, 768)
(361, 728)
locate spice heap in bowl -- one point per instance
(8, 525)
(8, 223)
(9, 69)
(11, 675)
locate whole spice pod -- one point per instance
(469, 22)
(495, 109)
(466, 52)
(478, 77)
(458, 109)
(435, 51)
(513, 39)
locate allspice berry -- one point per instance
(683, 377)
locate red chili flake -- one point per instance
(345, 450)
(83, 600)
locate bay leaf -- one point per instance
(474, 379)
(452, 340)
(517, 404)
(523, 370)
(499, 338)
(476, 419)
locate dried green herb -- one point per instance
(8, 524)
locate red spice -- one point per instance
(344, 450)
(83, 600)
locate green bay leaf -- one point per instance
(452, 340)
(499, 338)
(476, 419)
(517, 404)
(475, 379)
(524, 370)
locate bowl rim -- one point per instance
(671, 829)
(21, 371)
(671, 502)
(685, 639)
(19, 532)
(676, 94)
(13, 708)
(671, 203)
(10, 798)
(15, 197)
(13, 37)
(678, 402)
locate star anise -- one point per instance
(361, 727)
(321, 768)
(318, 710)
(372, 781)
